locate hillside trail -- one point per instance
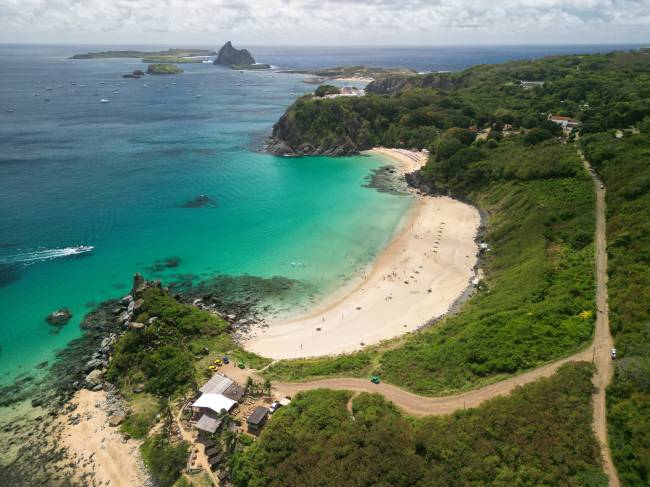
(603, 341)
(598, 352)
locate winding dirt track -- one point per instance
(598, 353)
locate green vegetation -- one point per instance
(174, 349)
(144, 409)
(160, 354)
(178, 53)
(164, 460)
(172, 59)
(250, 67)
(323, 90)
(540, 435)
(356, 364)
(163, 69)
(623, 165)
(603, 91)
(357, 71)
(540, 221)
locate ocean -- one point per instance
(167, 179)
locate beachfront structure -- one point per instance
(347, 91)
(207, 424)
(257, 419)
(216, 385)
(213, 403)
(567, 123)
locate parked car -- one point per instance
(225, 359)
(375, 379)
(612, 352)
(275, 406)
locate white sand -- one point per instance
(434, 253)
(100, 449)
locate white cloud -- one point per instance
(327, 21)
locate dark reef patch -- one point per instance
(163, 264)
(386, 179)
(201, 201)
(9, 273)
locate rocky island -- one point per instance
(163, 68)
(185, 55)
(237, 58)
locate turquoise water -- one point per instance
(115, 176)
(74, 172)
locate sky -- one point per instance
(325, 22)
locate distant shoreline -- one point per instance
(418, 277)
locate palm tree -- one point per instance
(267, 386)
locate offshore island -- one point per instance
(469, 353)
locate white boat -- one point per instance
(104, 100)
(198, 96)
(115, 92)
(83, 248)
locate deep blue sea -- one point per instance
(115, 176)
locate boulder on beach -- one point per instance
(115, 420)
(59, 317)
(94, 379)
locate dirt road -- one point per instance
(599, 352)
(603, 341)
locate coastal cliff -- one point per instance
(229, 56)
(391, 85)
(297, 134)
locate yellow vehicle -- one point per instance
(212, 367)
(218, 362)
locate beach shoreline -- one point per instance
(416, 279)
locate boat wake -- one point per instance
(41, 255)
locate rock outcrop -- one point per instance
(59, 317)
(287, 139)
(229, 56)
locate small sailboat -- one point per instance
(104, 100)
(115, 92)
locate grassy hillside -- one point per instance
(536, 302)
(540, 435)
(624, 165)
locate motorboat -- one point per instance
(104, 100)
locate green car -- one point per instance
(375, 379)
(240, 365)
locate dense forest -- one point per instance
(540, 435)
(603, 91)
(536, 301)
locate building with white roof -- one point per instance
(213, 403)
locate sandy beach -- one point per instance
(100, 452)
(420, 274)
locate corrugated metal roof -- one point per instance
(216, 385)
(206, 423)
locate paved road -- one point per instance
(598, 352)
